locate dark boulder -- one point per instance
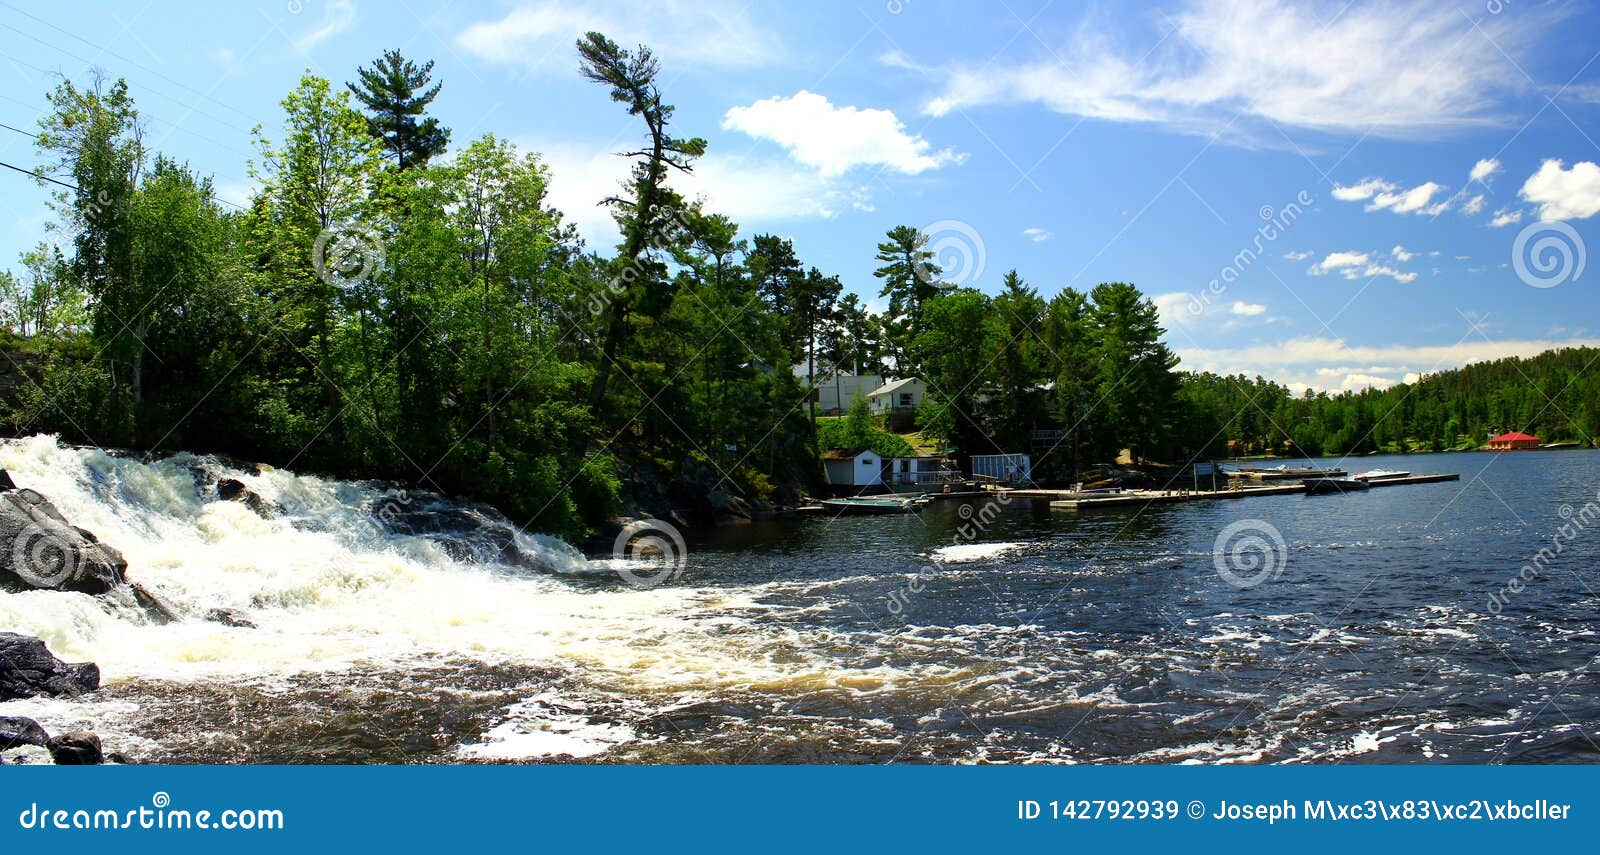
(16, 731)
(79, 748)
(40, 549)
(27, 669)
(5, 481)
(234, 490)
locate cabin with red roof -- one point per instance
(1513, 441)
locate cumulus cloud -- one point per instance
(1564, 194)
(1247, 310)
(1299, 255)
(836, 139)
(1473, 206)
(540, 36)
(752, 190)
(1400, 253)
(1036, 234)
(1505, 217)
(1381, 195)
(1339, 261)
(1360, 265)
(1483, 169)
(1270, 63)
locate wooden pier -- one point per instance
(1069, 500)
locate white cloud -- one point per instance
(1564, 194)
(1400, 253)
(753, 191)
(1359, 265)
(1331, 364)
(1338, 261)
(1362, 190)
(1506, 217)
(1036, 234)
(1388, 196)
(1417, 200)
(834, 139)
(1299, 255)
(337, 16)
(1404, 69)
(1483, 169)
(1473, 206)
(1181, 310)
(541, 36)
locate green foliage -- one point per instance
(1552, 395)
(396, 95)
(857, 430)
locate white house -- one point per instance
(853, 468)
(836, 392)
(903, 394)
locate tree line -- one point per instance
(389, 305)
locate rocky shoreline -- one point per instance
(41, 550)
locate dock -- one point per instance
(1069, 500)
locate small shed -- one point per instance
(1513, 441)
(853, 467)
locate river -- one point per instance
(1391, 626)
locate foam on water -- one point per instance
(330, 586)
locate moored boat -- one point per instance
(1381, 474)
(878, 505)
(1317, 486)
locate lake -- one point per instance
(1392, 626)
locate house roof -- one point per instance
(1514, 436)
(844, 453)
(890, 386)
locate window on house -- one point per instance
(905, 399)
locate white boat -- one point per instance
(1381, 474)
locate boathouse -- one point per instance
(853, 467)
(1513, 441)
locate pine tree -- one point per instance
(396, 94)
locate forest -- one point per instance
(396, 304)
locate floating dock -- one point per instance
(1069, 500)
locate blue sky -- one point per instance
(1327, 194)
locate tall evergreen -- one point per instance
(396, 95)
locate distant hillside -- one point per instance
(1554, 396)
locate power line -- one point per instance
(72, 187)
(178, 83)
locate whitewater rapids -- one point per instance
(333, 587)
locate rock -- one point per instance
(16, 731)
(27, 669)
(79, 748)
(234, 490)
(5, 481)
(40, 549)
(230, 617)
